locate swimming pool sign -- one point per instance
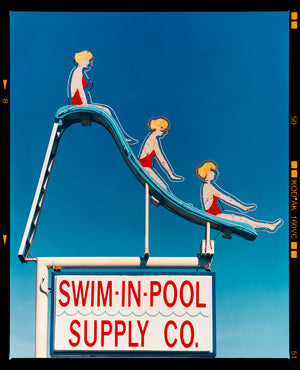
(96, 314)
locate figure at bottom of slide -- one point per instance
(211, 195)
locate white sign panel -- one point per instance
(133, 313)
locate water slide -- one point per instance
(86, 114)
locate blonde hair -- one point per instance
(158, 122)
(79, 57)
(206, 166)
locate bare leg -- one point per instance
(109, 110)
(256, 224)
(155, 177)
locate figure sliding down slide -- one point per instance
(208, 173)
(151, 148)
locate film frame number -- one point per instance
(294, 354)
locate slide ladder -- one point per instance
(86, 114)
(39, 196)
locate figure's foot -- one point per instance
(275, 225)
(131, 141)
(105, 109)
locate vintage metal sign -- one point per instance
(97, 314)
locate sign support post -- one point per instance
(41, 315)
(146, 253)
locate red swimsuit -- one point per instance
(214, 208)
(147, 161)
(76, 99)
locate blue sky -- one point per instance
(222, 81)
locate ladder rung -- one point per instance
(45, 183)
(35, 219)
(30, 238)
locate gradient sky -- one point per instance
(222, 81)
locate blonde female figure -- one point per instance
(79, 85)
(80, 82)
(211, 195)
(158, 127)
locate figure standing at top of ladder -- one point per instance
(210, 196)
(151, 147)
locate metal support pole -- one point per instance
(207, 245)
(146, 253)
(207, 229)
(41, 313)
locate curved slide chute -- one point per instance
(68, 115)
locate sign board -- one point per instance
(102, 314)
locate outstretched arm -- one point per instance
(230, 200)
